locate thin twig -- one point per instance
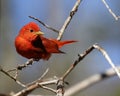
(107, 58)
(90, 81)
(60, 84)
(29, 89)
(6, 73)
(47, 26)
(29, 62)
(110, 10)
(40, 79)
(20, 67)
(67, 21)
(44, 74)
(81, 56)
(49, 89)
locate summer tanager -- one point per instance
(31, 43)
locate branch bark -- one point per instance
(110, 10)
(81, 86)
(67, 21)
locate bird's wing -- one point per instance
(50, 46)
(37, 43)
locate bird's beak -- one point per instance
(39, 33)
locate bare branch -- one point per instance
(90, 81)
(107, 58)
(20, 67)
(29, 62)
(6, 73)
(60, 87)
(49, 89)
(86, 52)
(110, 10)
(67, 21)
(60, 84)
(30, 88)
(47, 26)
(60, 81)
(80, 57)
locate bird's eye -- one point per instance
(31, 30)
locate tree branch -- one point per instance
(96, 46)
(67, 21)
(110, 10)
(81, 86)
(60, 81)
(6, 73)
(47, 26)
(86, 52)
(80, 57)
(30, 88)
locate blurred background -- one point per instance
(91, 24)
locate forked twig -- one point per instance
(13, 78)
(39, 83)
(20, 67)
(66, 23)
(20, 83)
(60, 81)
(81, 56)
(49, 89)
(60, 84)
(30, 88)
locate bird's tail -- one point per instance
(62, 43)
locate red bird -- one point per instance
(31, 43)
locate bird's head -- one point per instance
(30, 31)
